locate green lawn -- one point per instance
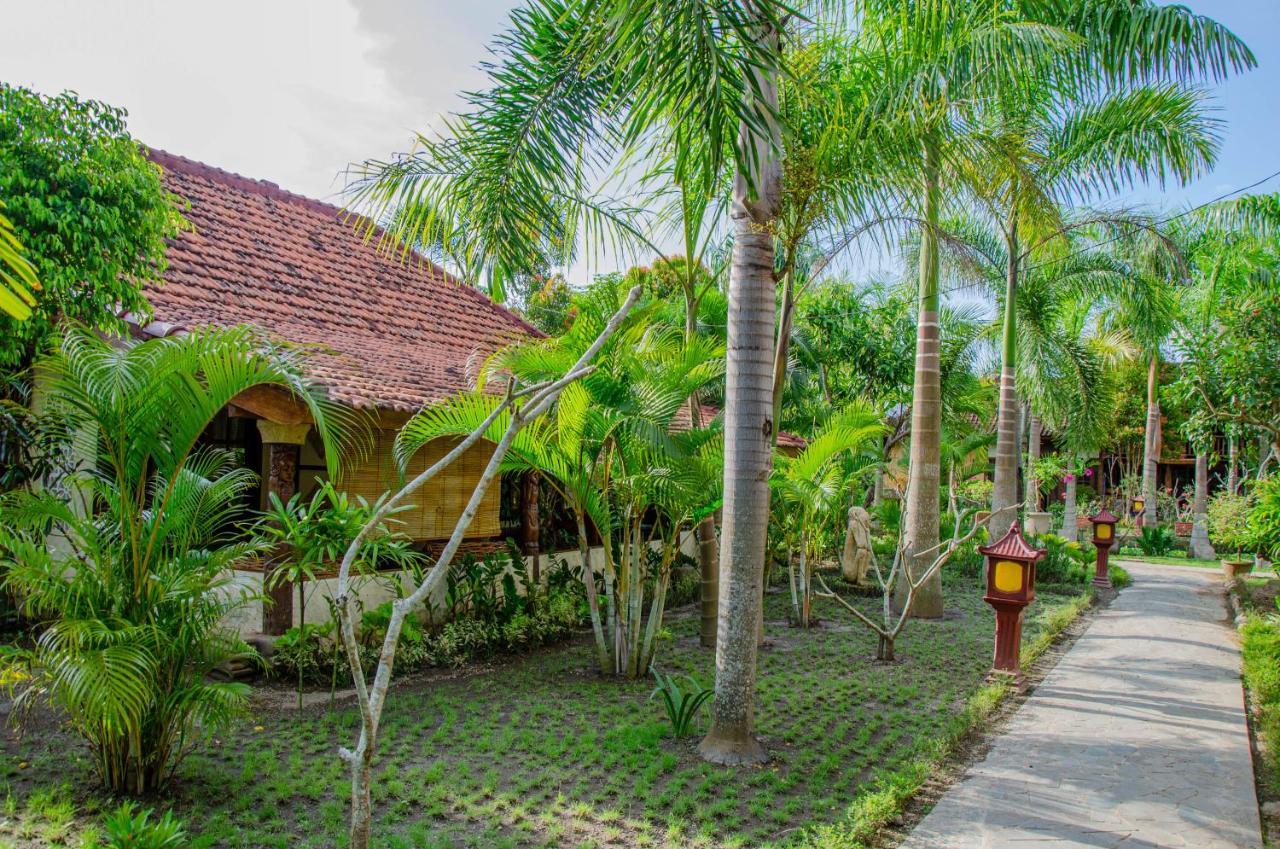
(1168, 561)
(542, 752)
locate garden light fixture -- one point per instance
(1011, 586)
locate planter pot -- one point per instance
(1039, 523)
(1235, 568)
(1183, 529)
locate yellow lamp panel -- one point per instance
(1008, 576)
(1104, 532)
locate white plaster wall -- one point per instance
(371, 592)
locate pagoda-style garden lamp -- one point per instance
(1139, 509)
(1104, 536)
(1011, 586)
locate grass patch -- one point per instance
(543, 752)
(1260, 645)
(1169, 560)
(1120, 577)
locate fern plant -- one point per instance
(1156, 541)
(682, 705)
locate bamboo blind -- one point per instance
(439, 503)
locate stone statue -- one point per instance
(855, 562)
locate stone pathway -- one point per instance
(1137, 737)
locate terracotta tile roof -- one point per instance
(1013, 546)
(395, 335)
(682, 422)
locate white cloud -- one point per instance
(286, 90)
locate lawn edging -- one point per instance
(884, 800)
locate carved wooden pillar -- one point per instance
(281, 444)
(531, 522)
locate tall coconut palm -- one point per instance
(133, 599)
(1146, 310)
(1039, 154)
(935, 59)
(574, 83)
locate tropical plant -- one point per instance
(1065, 561)
(811, 493)
(127, 569)
(1156, 541)
(131, 828)
(1264, 518)
(620, 454)
(509, 181)
(682, 705)
(1120, 115)
(17, 277)
(317, 532)
(507, 416)
(88, 208)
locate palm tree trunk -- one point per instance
(1035, 429)
(1200, 546)
(706, 533)
(1069, 531)
(748, 430)
(924, 474)
(1004, 498)
(593, 600)
(1150, 444)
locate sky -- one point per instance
(294, 91)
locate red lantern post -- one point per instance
(1011, 586)
(1104, 536)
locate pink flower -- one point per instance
(1088, 473)
(1070, 477)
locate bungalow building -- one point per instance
(389, 337)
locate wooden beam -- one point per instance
(272, 404)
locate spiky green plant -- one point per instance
(125, 568)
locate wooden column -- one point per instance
(531, 522)
(281, 444)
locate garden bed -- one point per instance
(1256, 599)
(542, 751)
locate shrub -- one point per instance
(1228, 521)
(1264, 518)
(1260, 636)
(486, 622)
(1156, 542)
(1065, 562)
(132, 605)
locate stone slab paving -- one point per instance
(1137, 738)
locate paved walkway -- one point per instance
(1136, 738)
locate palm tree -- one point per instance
(934, 59)
(574, 84)
(1039, 153)
(1146, 309)
(812, 490)
(134, 594)
(614, 453)
(17, 277)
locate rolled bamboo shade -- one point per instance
(439, 503)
